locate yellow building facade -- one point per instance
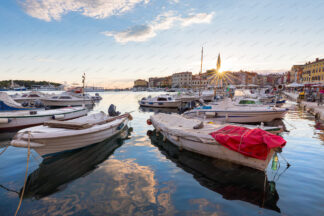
(313, 72)
(140, 83)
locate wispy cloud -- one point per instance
(49, 10)
(45, 59)
(164, 21)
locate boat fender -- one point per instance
(130, 117)
(199, 126)
(58, 117)
(148, 122)
(4, 120)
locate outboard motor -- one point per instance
(112, 110)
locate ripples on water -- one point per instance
(139, 174)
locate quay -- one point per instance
(311, 107)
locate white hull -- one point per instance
(180, 132)
(218, 151)
(62, 102)
(238, 116)
(61, 140)
(165, 104)
(22, 119)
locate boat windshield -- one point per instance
(65, 97)
(161, 99)
(33, 95)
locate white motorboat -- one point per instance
(180, 131)
(242, 111)
(29, 98)
(207, 95)
(67, 99)
(167, 101)
(59, 136)
(96, 97)
(14, 120)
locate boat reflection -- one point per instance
(57, 171)
(232, 181)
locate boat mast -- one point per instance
(201, 64)
(83, 81)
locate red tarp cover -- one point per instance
(254, 142)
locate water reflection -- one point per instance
(232, 181)
(55, 172)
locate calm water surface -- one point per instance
(142, 175)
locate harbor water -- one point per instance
(138, 173)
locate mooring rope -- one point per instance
(4, 150)
(26, 173)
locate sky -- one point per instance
(117, 41)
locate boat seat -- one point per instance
(67, 125)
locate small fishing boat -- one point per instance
(58, 136)
(167, 101)
(50, 176)
(199, 137)
(67, 99)
(15, 120)
(242, 111)
(96, 97)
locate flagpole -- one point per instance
(201, 64)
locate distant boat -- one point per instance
(20, 89)
(165, 101)
(242, 111)
(15, 120)
(67, 99)
(29, 98)
(58, 136)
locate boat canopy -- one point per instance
(254, 143)
(8, 104)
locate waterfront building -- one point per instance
(140, 83)
(296, 72)
(199, 81)
(181, 80)
(313, 72)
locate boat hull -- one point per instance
(240, 116)
(55, 145)
(218, 151)
(161, 104)
(65, 103)
(20, 122)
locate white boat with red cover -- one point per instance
(197, 136)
